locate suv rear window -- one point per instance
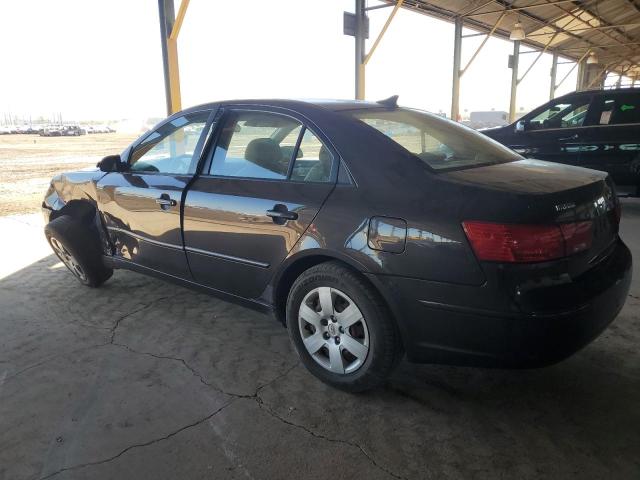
(440, 143)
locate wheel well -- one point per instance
(285, 282)
(293, 271)
(78, 209)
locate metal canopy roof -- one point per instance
(610, 28)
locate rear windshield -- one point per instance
(440, 143)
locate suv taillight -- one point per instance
(511, 243)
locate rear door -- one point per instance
(266, 176)
(141, 206)
(612, 137)
(555, 132)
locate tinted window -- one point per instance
(618, 110)
(255, 145)
(313, 162)
(438, 142)
(169, 149)
(566, 114)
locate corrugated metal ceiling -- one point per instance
(610, 28)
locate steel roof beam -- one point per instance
(516, 9)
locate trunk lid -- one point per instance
(542, 193)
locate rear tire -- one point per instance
(341, 328)
(78, 249)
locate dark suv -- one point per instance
(597, 129)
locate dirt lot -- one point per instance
(27, 163)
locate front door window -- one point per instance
(170, 148)
(565, 114)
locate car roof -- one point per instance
(326, 104)
(612, 91)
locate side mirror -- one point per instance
(522, 126)
(111, 163)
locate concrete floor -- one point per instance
(142, 379)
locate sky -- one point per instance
(99, 60)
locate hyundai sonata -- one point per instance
(369, 230)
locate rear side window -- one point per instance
(313, 162)
(618, 110)
(438, 142)
(254, 144)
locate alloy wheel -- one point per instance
(69, 260)
(333, 330)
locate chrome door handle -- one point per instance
(281, 214)
(166, 202)
(572, 137)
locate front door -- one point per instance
(554, 133)
(141, 206)
(262, 186)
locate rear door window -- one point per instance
(255, 144)
(313, 161)
(618, 110)
(268, 145)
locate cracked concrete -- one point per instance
(143, 379)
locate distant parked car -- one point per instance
(26, 129)
(52, 131)
(73, 131)
(369, 230)
(597, 129)
(5, 130)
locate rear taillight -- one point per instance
(577, 236)
(509, 243)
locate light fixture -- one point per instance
(592, 59)
(517, 33)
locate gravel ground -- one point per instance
(143, 379)
(27, 163)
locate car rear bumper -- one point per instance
(438, 332)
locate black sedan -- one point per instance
(370, 231)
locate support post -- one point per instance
(580, 83)
(554, 74)
(457, 55)
(169, 29)
(514, 80)
(360, 52)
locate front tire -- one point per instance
(341, 328)
(78, 249)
